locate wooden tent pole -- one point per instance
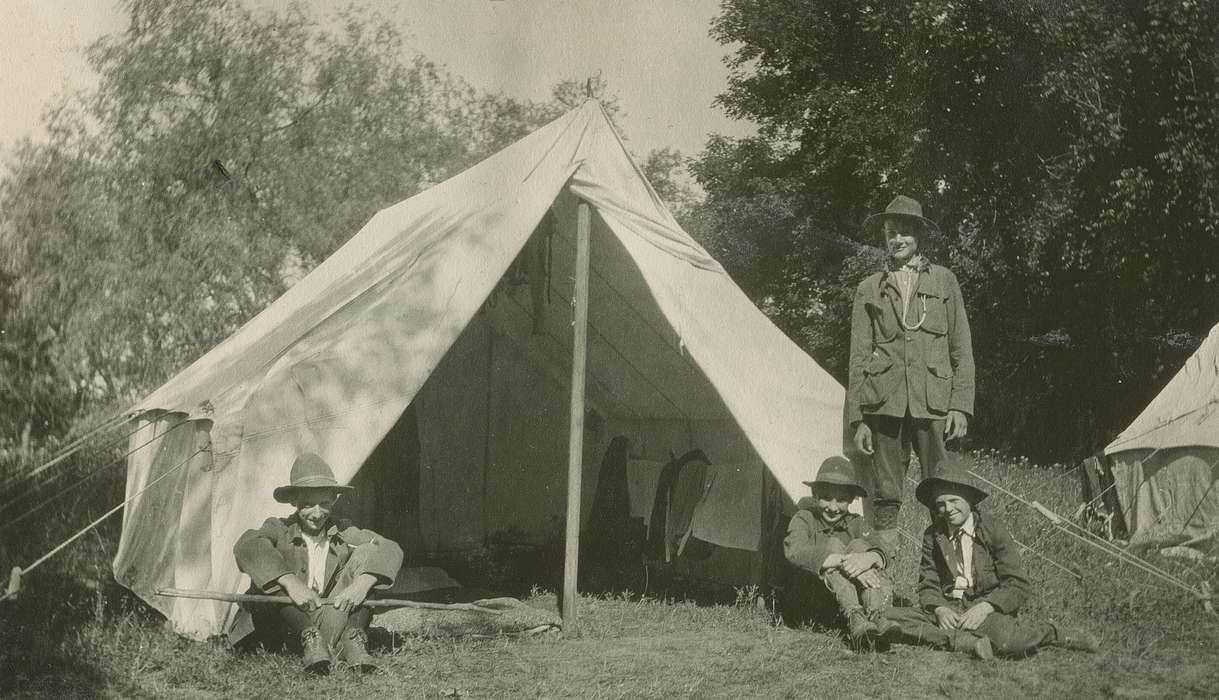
(575, 445)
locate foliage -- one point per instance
(223, 154)
(1068, 150)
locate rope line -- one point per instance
(108, 513)
(50, 480)
(59, 494)
(64, 452)
(1097, 542)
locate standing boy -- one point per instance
(308, 556)
(972, 582)
(835, 545)
(911, 372)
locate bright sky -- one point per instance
(655, 54)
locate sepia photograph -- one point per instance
(609, 349)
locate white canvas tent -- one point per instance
(1164, 464)
(415, 315)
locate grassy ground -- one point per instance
(79, 635)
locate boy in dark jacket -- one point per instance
(327, 569)
(971, 581)
(837, 546)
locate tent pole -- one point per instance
(575, 445)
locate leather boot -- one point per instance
(975, 645)
(354, 653)
(861, 630)
(315, 653)
(1079, 640)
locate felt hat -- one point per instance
(954, 480)
(309, 471)
(902, 207)
(838, 471)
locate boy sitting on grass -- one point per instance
(971, 581)
(847, 558)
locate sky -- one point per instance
(656, 55)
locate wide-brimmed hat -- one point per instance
(902, 207)
(309, 471)
(838, 471)
(954, 480)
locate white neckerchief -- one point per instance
(319, 547)
(965, 575)
(906, 276)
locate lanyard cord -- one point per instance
(905, 283)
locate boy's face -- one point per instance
(901, 239)
(313, 508)
(832, 501)
(952, 509)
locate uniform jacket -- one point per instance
(279, 548)
(927, 371)
(808, 538)
(998, 573)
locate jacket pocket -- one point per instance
(936, 309)
(939, 387)
(878, 379)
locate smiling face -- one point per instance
(832, 501)
(901, 239)
(313, 508)
(952, 509)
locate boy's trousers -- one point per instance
(1008, 635)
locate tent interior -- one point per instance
(480, 455)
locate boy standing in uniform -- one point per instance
(911, 369)
(839, 549)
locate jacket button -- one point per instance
(907, 337)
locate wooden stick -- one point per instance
(386, 603)
(575, 445)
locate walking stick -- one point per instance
(384, 603)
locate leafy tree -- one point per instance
(1068, 150)
(224, 153)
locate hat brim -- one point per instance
(285, 494)
(859, 490)
(872, 223)
(932, 486)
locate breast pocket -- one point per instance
(936, 309)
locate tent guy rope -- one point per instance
(1202, 593)
(15, 575)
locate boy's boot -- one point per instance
(315, 653)
(875, 602)
(1079, 640)
(354, 652)
(975, 645)
(861, 630)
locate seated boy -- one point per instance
(309, 556)
(836, 546)
(971, 581)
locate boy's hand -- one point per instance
(975, 616)
(855, 564)
(869, 579)
(832, 561)
(353, 595)
(949, 619)
(863, 438)
(302, 596)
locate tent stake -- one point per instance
(575, 445)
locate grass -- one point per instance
(77, 634)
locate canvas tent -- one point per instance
(1164, 464)
(440, 335)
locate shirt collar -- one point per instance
(831, 527)
(969, 527)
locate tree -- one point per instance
(1038, 133)
(224, 153)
